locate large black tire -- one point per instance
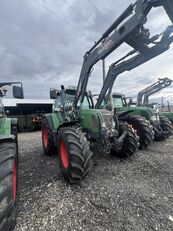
(74, 154)
(8, 185)
(144, 130)
(47, 138)
(130, 144)
(166, 126)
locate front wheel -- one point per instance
(130, 143)
(144, 130)
(8, 185)
(74, 153)
(166, 126)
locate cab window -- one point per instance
(118, 102)
(86, 104)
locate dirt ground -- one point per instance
(132, 194)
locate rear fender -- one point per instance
(54, 123)
(68, 124)
(125, 113)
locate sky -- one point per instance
(42, 44)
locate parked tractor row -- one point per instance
(77, 126)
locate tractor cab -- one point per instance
(119, 100)
(64, 99)
(93, 121)
(122, 108)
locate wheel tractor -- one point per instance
(66, 126)
(160, 128)
(143, 100)
(75, 135)
(168, 115)
(8, 160)
(139, 123)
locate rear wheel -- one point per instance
(47, 138)
(130, 144)
(143, 129)
(8, 185)
(166, 126)
(74, 153)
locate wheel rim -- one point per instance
(14, 181)
(45, 137)
(137, 129)
(63, 154)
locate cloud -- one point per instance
(43, 50)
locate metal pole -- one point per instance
(168, 106)
(103, 65)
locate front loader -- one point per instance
(73, 129)
(143, 96)
(161, 125)
(8, 160)
(132, 113)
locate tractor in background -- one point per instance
(143, 99)
(160, 126)
(8, 160)
(71, 128)
(138, 121)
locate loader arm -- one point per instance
(128, 28)
(143, 96)
(118, 68)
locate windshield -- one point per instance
(118, 102)
(69, 99)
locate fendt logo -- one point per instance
(105, 45)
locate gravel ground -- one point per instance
(133, 194)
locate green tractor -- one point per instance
(144, 130)
(142, 126)
(75, 136)
(8, 161)
(161, 126)
(143, 97)
(168, 115)
(73, 128)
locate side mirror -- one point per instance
(53, 93)
(18, 92)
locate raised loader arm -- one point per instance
(143, 96)
(120, 66)
(131, 31)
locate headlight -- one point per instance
(103, 125)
